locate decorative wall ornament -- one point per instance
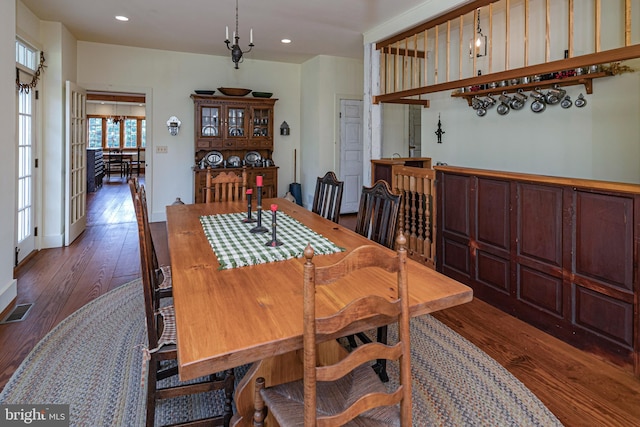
(439, 132)
(173, 125)
(26, 87)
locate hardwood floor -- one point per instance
(579, 388)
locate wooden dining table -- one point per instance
(226, 318)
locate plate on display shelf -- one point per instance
(252, 158)
(234, 162)
(213, 158)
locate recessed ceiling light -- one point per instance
(122, 18)
(285, 41)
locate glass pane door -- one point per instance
(210, 121)
(236, 122)
(25, 215)
(261, 122)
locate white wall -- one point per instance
(324, 78)
(168, 78)
(60, 53)
(8, 288)
(599, 141)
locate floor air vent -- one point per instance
(18, 314)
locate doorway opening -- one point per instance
(116, 128)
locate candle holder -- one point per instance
(248, 219)
(274, 241)
(259, 227)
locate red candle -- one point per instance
(274, 207)
(259, 180)
(249, 191)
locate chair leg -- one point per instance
(380, 367)
(381, 364)
(229, 386)
(258, 404)
(151, 392)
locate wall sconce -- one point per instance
(284, 129)
(478, 43)
(173, 124)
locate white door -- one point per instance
(25, 216)
(76, 163)
(351, 153)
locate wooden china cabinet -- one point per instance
(231, 132)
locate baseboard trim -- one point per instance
(8, 295)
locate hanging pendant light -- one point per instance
(236, 52)
(478, 43)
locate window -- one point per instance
(26, 56)
(108, 133)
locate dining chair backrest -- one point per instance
(320, 328)
(162, 339)
(225, 186)
(328, 197)
(146, 266)
(378, 213)
(135, 188)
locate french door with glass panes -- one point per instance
(25, 223)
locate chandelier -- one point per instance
(117, 118)
(236, 52)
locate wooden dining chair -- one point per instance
(161, 335)
(164, 284)
(377, 220)
(225, 186)
(116, 164)
(378, 213)
(328, 197)
(349, 389)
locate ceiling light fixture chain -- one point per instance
(236, 51)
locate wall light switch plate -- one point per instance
(162, 149)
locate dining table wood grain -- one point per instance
(228, 318)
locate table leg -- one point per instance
(277, 370)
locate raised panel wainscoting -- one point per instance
(558, 253)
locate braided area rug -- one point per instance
(454, 383)
(93, 361)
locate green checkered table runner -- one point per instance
(235, 246)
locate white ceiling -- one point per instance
(316, 27)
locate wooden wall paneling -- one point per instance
(604, 239)
(453, 223)
(604, 264)
(493, 234)
(558, 255)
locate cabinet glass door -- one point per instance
(210, 121)
(236, 121)
(261, 122)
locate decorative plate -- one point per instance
(209, 130)
(213, 158)
(252, 157)
(234, 91)
(233, 161)
(205, 92)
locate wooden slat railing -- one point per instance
(417, 210)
